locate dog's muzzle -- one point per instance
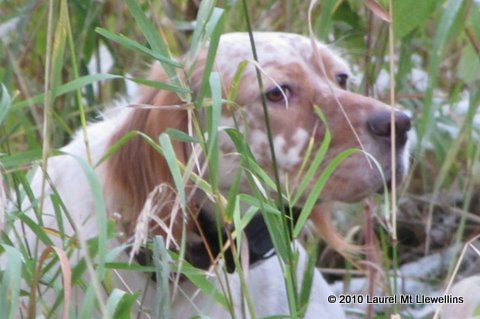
(379, 125)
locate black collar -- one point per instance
(260, 245)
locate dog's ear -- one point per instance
(137, 168)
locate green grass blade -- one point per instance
(213, 27)
(94, 290)
(171, 159)
(10, 284)
(447, 26)
(232, 96)
(268, 208)
(181, 136)
(36, 228)
(213, 120)
(59, 50)
(307, 280)
(148, 29)
(133, 45)
(248, 159)
(119, 304)
(162, 261)
(153, 39)
(324, 21)
(116, 146)
(318, 159)
(161, 85)
(197, 277)
(4, 102)
(66, 88)
(204, 13)
(318, 187)
(232, 198)
(405, 19)
(17, 160)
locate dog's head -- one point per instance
(300, 75)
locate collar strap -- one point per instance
(260, 244)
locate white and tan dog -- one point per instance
(299, 74)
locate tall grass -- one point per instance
(48, 92)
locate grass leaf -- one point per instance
(213, 28)
(171, 159)
(10, 282)
(446, 28)
(130, 44)
(119, 304)
(162, 260)
(213, 120)
(4, 102)
(314, 195)
(66, 88)
(405, 19)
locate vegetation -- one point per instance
(55, 78)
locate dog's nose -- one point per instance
(379, 126)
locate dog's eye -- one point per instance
(278, 93)
(342, 79)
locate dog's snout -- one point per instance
(380, 126)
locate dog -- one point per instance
(301, 77)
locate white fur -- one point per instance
(292, 156)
